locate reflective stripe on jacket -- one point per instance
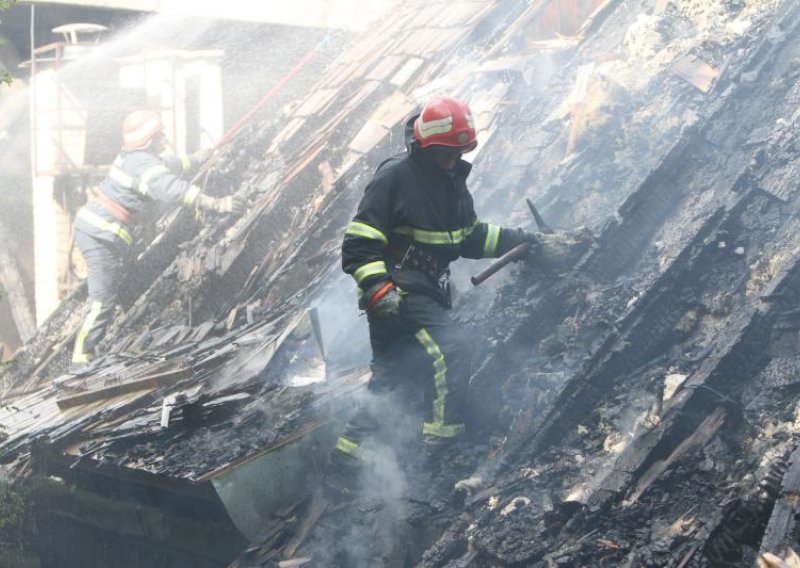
(139, 177)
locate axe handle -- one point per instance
(514, 254)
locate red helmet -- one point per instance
(139, 128)
(446, 121)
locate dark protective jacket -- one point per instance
(135, 180)
(413, 202)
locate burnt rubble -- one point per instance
(638, 410)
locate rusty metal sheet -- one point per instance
(696, 72)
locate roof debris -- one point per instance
(639, 410)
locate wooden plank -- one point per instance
(317, 102)
(783, 521)
(145, 383)
(707, 429)
(463, 14)
(392, 110)
(318, 506)
(433, 14)
(384, 68)
(407, 71)
(417, 43)
(287, 132)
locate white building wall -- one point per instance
(45, 248)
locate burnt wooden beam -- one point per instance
(783, 523)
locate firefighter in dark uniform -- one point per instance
(141, 173)
(415, 218)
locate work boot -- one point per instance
(437, 451)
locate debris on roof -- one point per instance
(639, 410)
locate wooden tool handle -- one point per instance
(514, 254)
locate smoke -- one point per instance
(372, 528)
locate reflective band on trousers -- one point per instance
(455, 237)
(371, 269)
(358, 229)
(105, 225)
(348, 447)
(78, 354)
(437, 427)
(492, 238)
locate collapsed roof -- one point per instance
(645, 401)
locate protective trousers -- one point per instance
(104, 262)
(421, 363)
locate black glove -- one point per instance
(230, 204)
(382, 299)
(527, 237)
(520, 237)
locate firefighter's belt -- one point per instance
(414, 258)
